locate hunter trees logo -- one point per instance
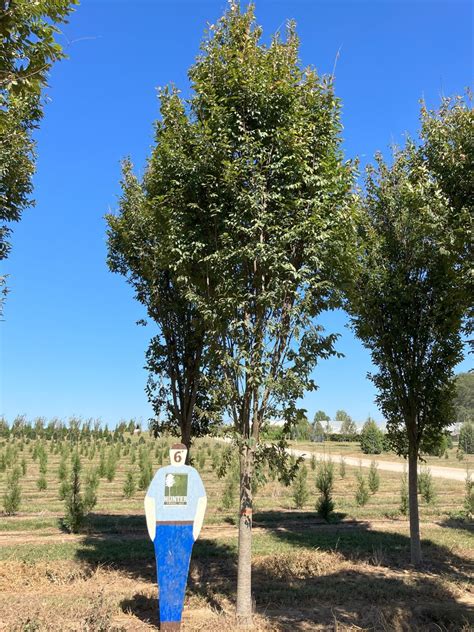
(176, 489)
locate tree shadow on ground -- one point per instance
(315, 573)
(458, 523)
(144, 608)
(357, 541)
(212, 574)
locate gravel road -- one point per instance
(453, 473)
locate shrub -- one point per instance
(75, 510)
(42, 483)
(228, 497)
(374, 477)
(425, 485)
(12, 496)
(313, 462)
(23, 466)
(102, 464)
(15, 474)
(146, 472)
(10, 455)
(325, 483)
(90, 493)
(362, 493)
(64, 490)
(129, 485)
(160, 457)
(216, 459)
(371, 438)
(300, 487)
(469, 496)
(466, 437)
(404, 495)
(342, 467)
(441, 447)
(111, 465)
(63, 469)
(201, 459)
(340, 437)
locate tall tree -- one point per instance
(447, 148)
(408, 303)
(272, 234)
(321, 416)
(464, 400)
(28, 50)
(348, 426)
(140, 248)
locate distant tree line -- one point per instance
(75, 429)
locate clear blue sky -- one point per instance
(69, 343)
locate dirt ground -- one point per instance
(299, 589)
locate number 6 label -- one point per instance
(177, 457)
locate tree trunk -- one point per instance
(244, 570)
(415, 545)
(186, 439)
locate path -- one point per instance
(453, 473)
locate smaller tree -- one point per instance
(469, 496)
(43, 462)
(129, 485)
(103, 463)
(111, 465)
(90, 493)
(302, 431)
(466, 437)
(321, 416)
(42, 483)
(342, 467)
(371, 438)
(201, 459)
(63, 469)
(404, 495)
(75, 510)
(374, 477)
(425, 485)
(318, 432)
(300, 487)
(464, 397)
(325, 484)
(12, 496)
(146, 471)
(230, 489)
(348, 426)
(411, 290)
(362, 493)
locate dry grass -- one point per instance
(308, 575)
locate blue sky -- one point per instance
(70, 344)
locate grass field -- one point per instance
(350, 574)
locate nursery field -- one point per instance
(350, 573)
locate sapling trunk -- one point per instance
(415, 545)
(244, 568)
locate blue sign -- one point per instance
(175, 504)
